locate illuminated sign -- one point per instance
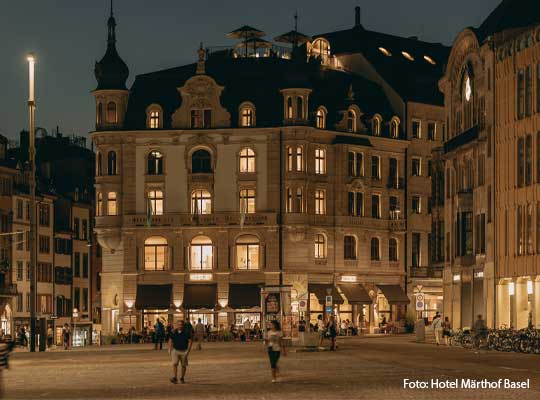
(200, 277)
(349, 278)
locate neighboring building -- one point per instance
(199, 167)
(492, 208)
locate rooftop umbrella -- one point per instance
(246, 32)
(257, 43)
(293, 37)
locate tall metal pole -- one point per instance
(32, 187)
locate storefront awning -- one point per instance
(394, 294)
(355, 293)
(321, 290)
(199, 296)
(244, 296)
(153, 296)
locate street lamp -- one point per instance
(32, 188)
(75, 315)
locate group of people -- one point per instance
(443, 329)
(327, 330)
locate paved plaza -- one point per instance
(366, 368)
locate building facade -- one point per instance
(311, 167)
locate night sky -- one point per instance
(68, 36)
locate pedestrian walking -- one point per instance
(199, 334)
(159, 333)
(275, 346)
(247, 328)
(332, 330)
(321, 329)
(22, 337)
(49, 337)
(180, 344)
(66, 336)
(480, 330)
(447, 331)
(437, 326)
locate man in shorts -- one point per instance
(180, 343)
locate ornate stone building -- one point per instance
(491, 88)
(203, 168)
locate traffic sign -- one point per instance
(420, 302)
(328, 301)
(302, 305)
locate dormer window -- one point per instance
(111, 113)
(351, 121)
(247, 115)
(321, 118)
(201, 119)
(154, 117)
(385, 52)
(376, 126)
(394, 128)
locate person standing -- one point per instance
(447, 331)
(159, 331)
(247, 328)
(275, 346)
(321, 329)
(437, 328)
(480, 330)
(199, 334)
(332, 330)
(66, 336)
(180, 343)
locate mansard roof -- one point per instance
(259, 81)
(510, 14)
(414, 80)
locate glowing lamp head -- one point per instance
(31, 58)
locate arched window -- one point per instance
(111, 163)
(112, 117)
(376, 126)
(99, 208)
(375, 250)
(393, 250)
(99, 114)
(154, 119)
(201, 162)
(320, 48)
(247, 160)
(320, 246)
(321, 119)
(155, 202)
(156, 253)
(201, 202)
(247, 252)
(247, 116)
(299, 107)
(155, 163)
(289, 112)
(112, 208)
(201, 253)
(99, 165)
(349, 247)
(351, 121)
(394, 128)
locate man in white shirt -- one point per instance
(199, 334)
(247, 328)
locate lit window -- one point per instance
(111, 204)
(320, 202)
(247, 252)
(99, 210)
(376, 126)
(351, 121)
(155, 202)
(385, 52)
(290, 158)
(349, 247)
(299, 158)
(201, 253)
(321, 119)
(111, 163)
(201, 202)
(247, 201)
(99, 165)
(320, 246)
(320, 161)
(375, 250)
(247, 160)
(155, 253)
(407, 56)
(247, 117)
(320, 48)
(154, 119)
(429, 60)
(299, 206)
(111, 113)
(155, 163)
(289, 201)
(394, 128)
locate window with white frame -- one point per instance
(247, 201)
(320, 246)
(247, 160)
(321, 118)
(351, 121)
(320, 202)
(155, 253)
(155, 202)
(320, 161)
(375, 167)
(394, 128)
(201, 253)
(320, 48)
(247, 252)
(376, 126)
(154, 118)
(201, 202)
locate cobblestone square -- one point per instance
(368, 368)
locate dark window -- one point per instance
(393, 174)
(350, 203)
(415, 204)
(44, 215)
(20, 207)
(77, 265)
(376, 206)
(416, 167)
(528, 160)
(155, 163)
(77, 298)
(359, 204)
(359, 164)
(521, 162)
(538, 157)
(528, 91)
(416, 126)
(201, 162)
(85, 229)
(99, 167)
(375, 252)
(84, 302)
(85, 266)
(299, 107)
(111, 163)
(349, 247)
(392, 250)
(201, 119)
(538, 88)
(520, 94)
(431, 130)
(415, 249)
(466, 233)
(76, 228)
(375, 168)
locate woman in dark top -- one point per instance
(331, 328)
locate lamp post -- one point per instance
(75, 315)
(32, 187)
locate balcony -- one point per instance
(186, 219)
(397, 225)
(8, 290)
(395, 183)
(426, 272)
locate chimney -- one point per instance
(357, 17)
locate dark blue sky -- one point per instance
(68, 36)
